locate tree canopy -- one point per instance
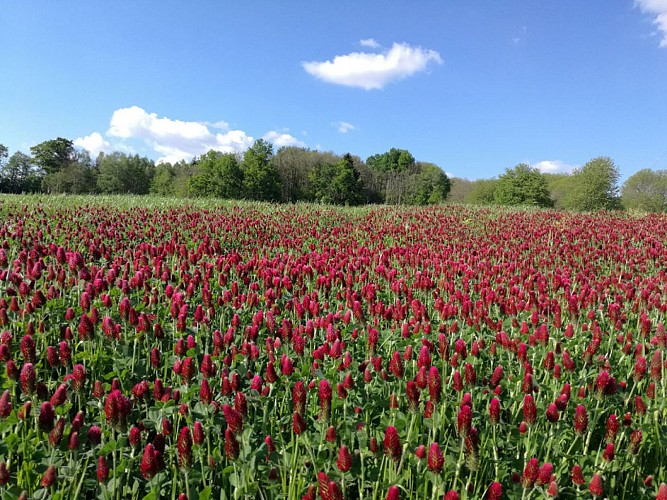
(646, 191)
(522, 185)
(594, 186)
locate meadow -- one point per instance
(160, 348)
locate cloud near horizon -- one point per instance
(657, 8)
(174, 140)
(553, 167)
(373, 70)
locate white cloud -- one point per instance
(343, 127)
(93, 143)
(373, 70)
(553, 167)
(175, 139)
(280, 139)
(369, 42)
(657, 8)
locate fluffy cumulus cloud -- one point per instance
(343, 127)
(93, 143)
(280, 139)
(553, 167)
(373, 70)
(173, 140)
(658, 9)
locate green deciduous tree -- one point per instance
(218, 174)
(522, 185)
(294, 166)
(394, 168)
(337, 183)
(428, 185)
(482, 192)
(120, 173)
(646, 190)
(19, 175)
(260, 177)
(162, 183)
(79, 176)
(53, 155)
(594, 186)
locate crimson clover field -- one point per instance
(207, 350)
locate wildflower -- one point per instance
(577, 475)
(234, 419)
(635, 441)
(529, 409)
(392, 444)
(102, 469)
(608, 454)
(434, 384)
(5, 404)
(464, 420)
(47, 416)
(4, 474)
(412, 393)
(50, 477)
(612, 428)
(544, 474)
(530, 473)
(94, 435)
(552, 413)
(435, 458)
(231, 445)
(299, 397)
(393, 493)
(596, 487)
(149, 462)
(494, 411)
(324, 394)
(28, 376)
(580, 420)
(344, 462)
(184, 447)
(298, 423)
(495, 491)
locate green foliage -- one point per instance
(19, 175)
(559, 186)
(54, 155)
(393, 170)
(120, 173)
(337, 183)
(594, 187)
(260, 177)
(162, 183)
(460, 190)
(78, 177)
(646, 191)
(522, 185)
(218, 175)
(395, 160)
(294, 166)
(429, 185)
(482, 192)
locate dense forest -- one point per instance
(293, 174)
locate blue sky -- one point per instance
(473, 86)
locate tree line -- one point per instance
(593, 186)
(293, 174)
(289, 174)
